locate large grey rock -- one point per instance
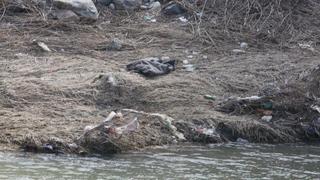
(65, 15)
(83, 8)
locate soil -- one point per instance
(47, 95)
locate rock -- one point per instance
(65, 15)
(112, 6)
(83, 8)
(115, 45)
(127, 4)
(174, 9)
(155, 7)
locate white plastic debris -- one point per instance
(266, 118)
(183, 19)
(110, 116)
(44, 47)
(251, 98)
(316, 108)
(238, 51)
(243, 45)
(306, 46)
(165, 58)
(240, 140)
(131, 126)
(111, 80)
(89, 128)
(188, 67)
(185, 62)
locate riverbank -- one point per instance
(48, 98)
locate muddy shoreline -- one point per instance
(48, 98)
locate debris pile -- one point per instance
(130, 130)
(292, 111)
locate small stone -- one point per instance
(190, 56)
(185, 62)
(112, 6)
(205, 57)
(115, 44)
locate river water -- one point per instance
(227, 161)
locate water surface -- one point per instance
(228, 161)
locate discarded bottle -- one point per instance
(209, 97)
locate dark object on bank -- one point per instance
(153, 67)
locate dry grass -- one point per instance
(259, 22)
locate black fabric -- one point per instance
(151, 68)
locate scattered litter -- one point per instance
(165, 58)
(111, 80)
(266, 118)
(238, 51)
(47, 148)
(130, 127)
(189, 67)
(190, 56)
(110, 116)
(206, 131)
(153, 67)
(243, 45)
(149, 18)
(43, 46)
(89, 128)
(130, 130)
(205, 57)
(267, 105)
(306, 46)
(242, 141)
(316, 108)
(183, 19)
(251, 98)
(210, 97)
(185, 62)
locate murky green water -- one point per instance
(229, 161)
